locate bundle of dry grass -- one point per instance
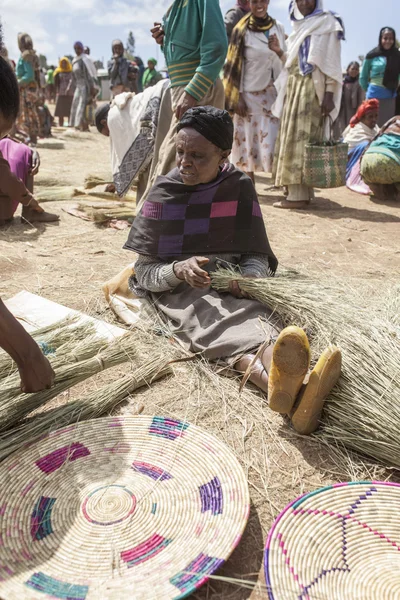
(102, 213)
(57, 337)
(92, 181)
(56, 194)
(14, 405)
(362, 412)
(94, 405)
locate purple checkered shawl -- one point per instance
(221, 217)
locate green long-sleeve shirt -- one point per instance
(195, 45)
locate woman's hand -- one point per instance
(234, 289)
(190, 271)
(158, 33)
(241, 108)
(328, 104)
(36, 372)
(35, 163)
(187, 101)
(274, 45)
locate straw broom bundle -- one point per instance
(362, 412)
(92, 181)
(51, 338)
(95, 405)
(58, 194)
(85, 348)
(14, 405)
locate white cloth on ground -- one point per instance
(325, 55)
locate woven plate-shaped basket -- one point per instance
(341, 542)
(119, 508)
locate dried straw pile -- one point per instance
(15, 406)
(92, 406)
(363, 412)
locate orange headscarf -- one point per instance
(363, 109)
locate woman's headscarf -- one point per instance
(149, 74)
(295, 15)
(61, 69)
(212, 123)
(234, 61)
(363, 109)
(392, 71)
(28, 54)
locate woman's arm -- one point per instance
(365, 74)
(26, 73)
(154, 275)
(255, 265)
(34, 368)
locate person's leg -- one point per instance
(61, 121)
(7, 209)
(299, 197)
(31, 216)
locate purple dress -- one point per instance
(19, 157)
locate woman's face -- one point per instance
(387, 39)
(150, 65)
(118, 49)
(306, 7)
(354, 71)
(259, 8)
(197, 159)
(78, 49)
(370, 119)
(64, 64)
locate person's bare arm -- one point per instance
(14, 188)
(34, 368)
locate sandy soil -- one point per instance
(342, 233)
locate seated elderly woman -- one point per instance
(358, 135)
(202, 215)
(380, 164)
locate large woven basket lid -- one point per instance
(340, 542)
(117, 508)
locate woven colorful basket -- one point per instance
(340, 542)
(117, 508)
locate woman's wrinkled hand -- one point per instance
(234, 289)
(241, 108)
(190, 271)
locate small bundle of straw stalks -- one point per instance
(363, 410)
(56, 194)
(15, 405)
(95, 405)
(92, 181)
(102, 213)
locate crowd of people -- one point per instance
(242, 96)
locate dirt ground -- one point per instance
(342, 233)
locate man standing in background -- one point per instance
(194, 43)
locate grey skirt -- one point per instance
(387, 108)
(63, 106)
(216, 324)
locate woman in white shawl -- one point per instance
(84, 74)
(309, 88)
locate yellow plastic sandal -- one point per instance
(290, 363)
(306, 417)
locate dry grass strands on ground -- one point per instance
(98, 403)
(102, 213)
(363, 410)
(14, 406)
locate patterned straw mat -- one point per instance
(116, 508)
(340, 542)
